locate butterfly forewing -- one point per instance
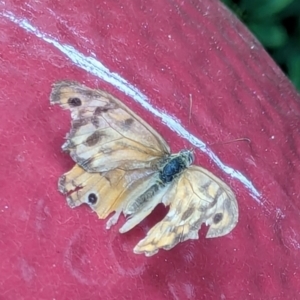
(105, 134)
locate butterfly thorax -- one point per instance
(174, 165)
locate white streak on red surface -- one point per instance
(95, 67)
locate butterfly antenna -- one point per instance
(190, 111)
(232, 141)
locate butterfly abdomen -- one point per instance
(141, 200)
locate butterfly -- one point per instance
(124, 166)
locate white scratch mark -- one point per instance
(27, 271)
(95, 67)
(294, 239)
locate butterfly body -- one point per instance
(175, 164)
(169, 169)
(124, 166)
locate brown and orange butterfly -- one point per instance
(124, 166)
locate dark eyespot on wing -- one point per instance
(128, 122)
(93, 139)
(74, 102)
(92, 198)
(103, 109)
(218, 218)
(99, 110)
(78, 123)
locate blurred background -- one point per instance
(276, 24)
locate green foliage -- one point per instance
(276, 23)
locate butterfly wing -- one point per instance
(105, 133)
(112, 191)
(197, 197)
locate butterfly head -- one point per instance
(187, 156)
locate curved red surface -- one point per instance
(168, 50)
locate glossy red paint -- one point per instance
(169, 50)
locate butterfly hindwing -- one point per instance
(197, 197)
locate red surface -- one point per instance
(168, 50)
